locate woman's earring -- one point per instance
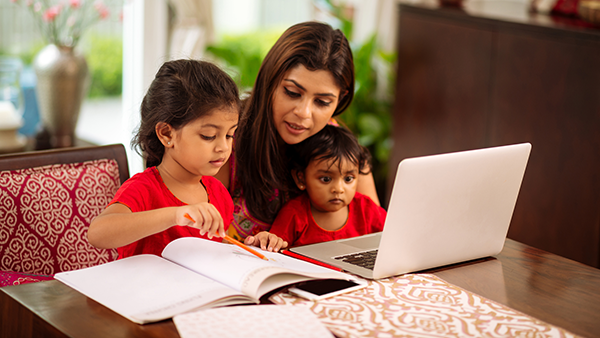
(169, 142)
(301, 186)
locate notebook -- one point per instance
(249, 321)
(444, 209)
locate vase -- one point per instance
(62, 83)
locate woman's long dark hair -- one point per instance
(261, 163)
(181, 91)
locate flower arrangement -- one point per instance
(63, 22)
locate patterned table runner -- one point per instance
(420, 305)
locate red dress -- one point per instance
(296, 225)
(147, 191)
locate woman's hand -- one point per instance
(266, 241)
(203, 216)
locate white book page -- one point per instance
(252, 321)
(238, 268)
(145, 288)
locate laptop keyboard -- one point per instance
(366, 259)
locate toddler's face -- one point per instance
(204, 145)
(331, 186)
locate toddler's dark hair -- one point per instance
(331, 143)
(181, 91)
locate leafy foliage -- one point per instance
(243, 54)
(27, 56)
(104, 55)
(369, 115)
(105, 61)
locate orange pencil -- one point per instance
(234, 241)
(245, 247)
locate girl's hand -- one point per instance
(266, 241)
(203, 216)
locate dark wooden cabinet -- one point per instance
(497, 74)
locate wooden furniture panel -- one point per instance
(479, 78)
(556, 107)
(436, 76)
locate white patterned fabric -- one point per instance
(45, 213)
(420, 305)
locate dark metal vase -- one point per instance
(62, 83)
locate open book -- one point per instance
(192, 274)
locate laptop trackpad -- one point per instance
(364, 242)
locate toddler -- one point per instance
(325, 167)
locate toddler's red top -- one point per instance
(296, 225)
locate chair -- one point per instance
(47, 201)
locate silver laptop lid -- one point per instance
(450, 208)
(444, 209)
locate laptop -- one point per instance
(444, 209)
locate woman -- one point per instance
(306, 78)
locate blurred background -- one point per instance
(472, 74)
(125, 49)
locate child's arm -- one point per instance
(282, 231)
(117, 226)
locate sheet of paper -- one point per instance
(233, 266)
(145, 288)
(251, 321)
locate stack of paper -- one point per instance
(251, 321)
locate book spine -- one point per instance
(310, 260)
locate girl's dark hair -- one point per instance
(262, 166)
(181, 91)
(331, 143)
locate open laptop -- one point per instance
(444, 209)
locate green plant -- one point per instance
(105, 61)
(104, 55)
(28, 55)
(369, 115)
(243, 54)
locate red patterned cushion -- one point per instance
(16, 278)
(45, 213)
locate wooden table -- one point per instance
(551, 288)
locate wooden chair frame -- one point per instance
(67, 155)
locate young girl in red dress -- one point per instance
(325, 168)
(188, 119)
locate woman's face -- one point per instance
(303, 103)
